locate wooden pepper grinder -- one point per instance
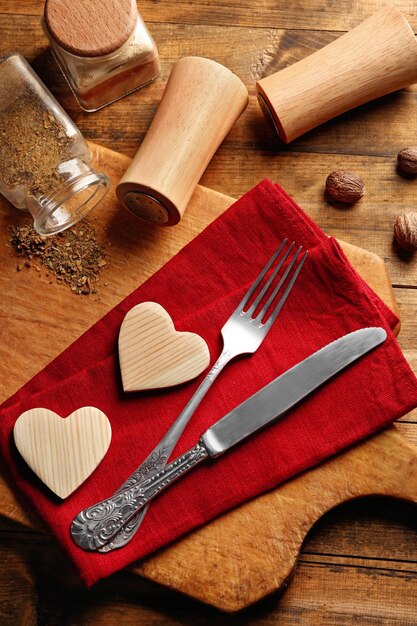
(375, 58)
(201, 102)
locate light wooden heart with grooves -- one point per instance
(153, 354)
(62, 452)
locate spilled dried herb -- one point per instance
(74, 256)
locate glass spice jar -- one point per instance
(103, 48)
(44, 159)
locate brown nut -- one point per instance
(405, 230)
(407, 160)
(345, 186)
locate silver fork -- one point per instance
(104, 528)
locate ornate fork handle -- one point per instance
(160, 454)
(96, 525)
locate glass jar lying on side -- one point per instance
(103, 48)
(44, 159)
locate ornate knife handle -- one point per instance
(96, 525)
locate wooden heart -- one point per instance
(62, 452)
(153, 354)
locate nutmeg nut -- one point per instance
(405, 230)
(407, 160)
(344, 186)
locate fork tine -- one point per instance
(268, 283)
(272, 297)
(286, 293)
(249, 293)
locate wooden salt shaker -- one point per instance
(201, 102)
(376, 58)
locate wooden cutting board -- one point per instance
(251, 551)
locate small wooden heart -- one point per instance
(153, 354)
(62, 452)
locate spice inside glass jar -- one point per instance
(103, 48)
(44, 160)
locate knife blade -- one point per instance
(96, 525)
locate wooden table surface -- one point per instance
(359, 564)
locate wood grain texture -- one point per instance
(90, 29)
(265, 535)
(225, 591)
(136, 251)
(63, 453)
(124, 249)
(358, 564)
(340, 588)
(18, 596)
(379, 128)
(152, 354)
(375, 58)
(374, 271)
(302, 15)
(367, 224)
(200, 104)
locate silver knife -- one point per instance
(98, 524)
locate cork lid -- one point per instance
(90, 28)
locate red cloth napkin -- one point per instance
(200, 288)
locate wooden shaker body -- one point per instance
(376, 58)
(201, 102)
